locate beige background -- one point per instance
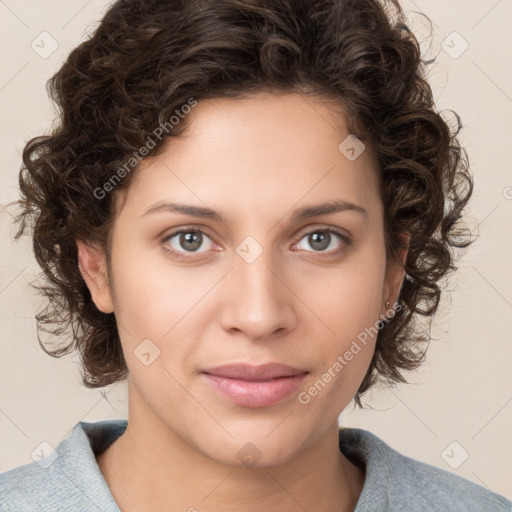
(464, 391)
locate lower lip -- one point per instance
(256, 393)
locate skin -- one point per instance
(255, 161)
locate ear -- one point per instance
(395, 275)
(92, 265)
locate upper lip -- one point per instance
(244, 371)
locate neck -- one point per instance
(150, 467)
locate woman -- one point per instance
(244, 208)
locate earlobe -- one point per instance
(92, 266)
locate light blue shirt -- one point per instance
(70, 479)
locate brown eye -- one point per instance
(321, 240)
(185, 241)
(190, 241)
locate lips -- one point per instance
(255, 386)
(249, 372)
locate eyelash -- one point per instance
(347, 242)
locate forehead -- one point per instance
(264, 153)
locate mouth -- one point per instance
(255, 386)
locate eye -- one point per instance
(186, 241)
(324, 241)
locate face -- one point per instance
(255, 281)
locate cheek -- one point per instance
(349, 305)
(350, 308)
(347, 300)
(162, 301)
(153, 294)
(160, 311)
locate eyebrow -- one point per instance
(299, 214)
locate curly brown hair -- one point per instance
(147, 58)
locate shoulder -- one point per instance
(397, 482)
(65, 478)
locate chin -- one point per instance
(255, 448)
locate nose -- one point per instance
(258, 300)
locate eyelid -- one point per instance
(304, 231)
(185, 229)
(326, 227)
(347, 240)
(345, 236)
